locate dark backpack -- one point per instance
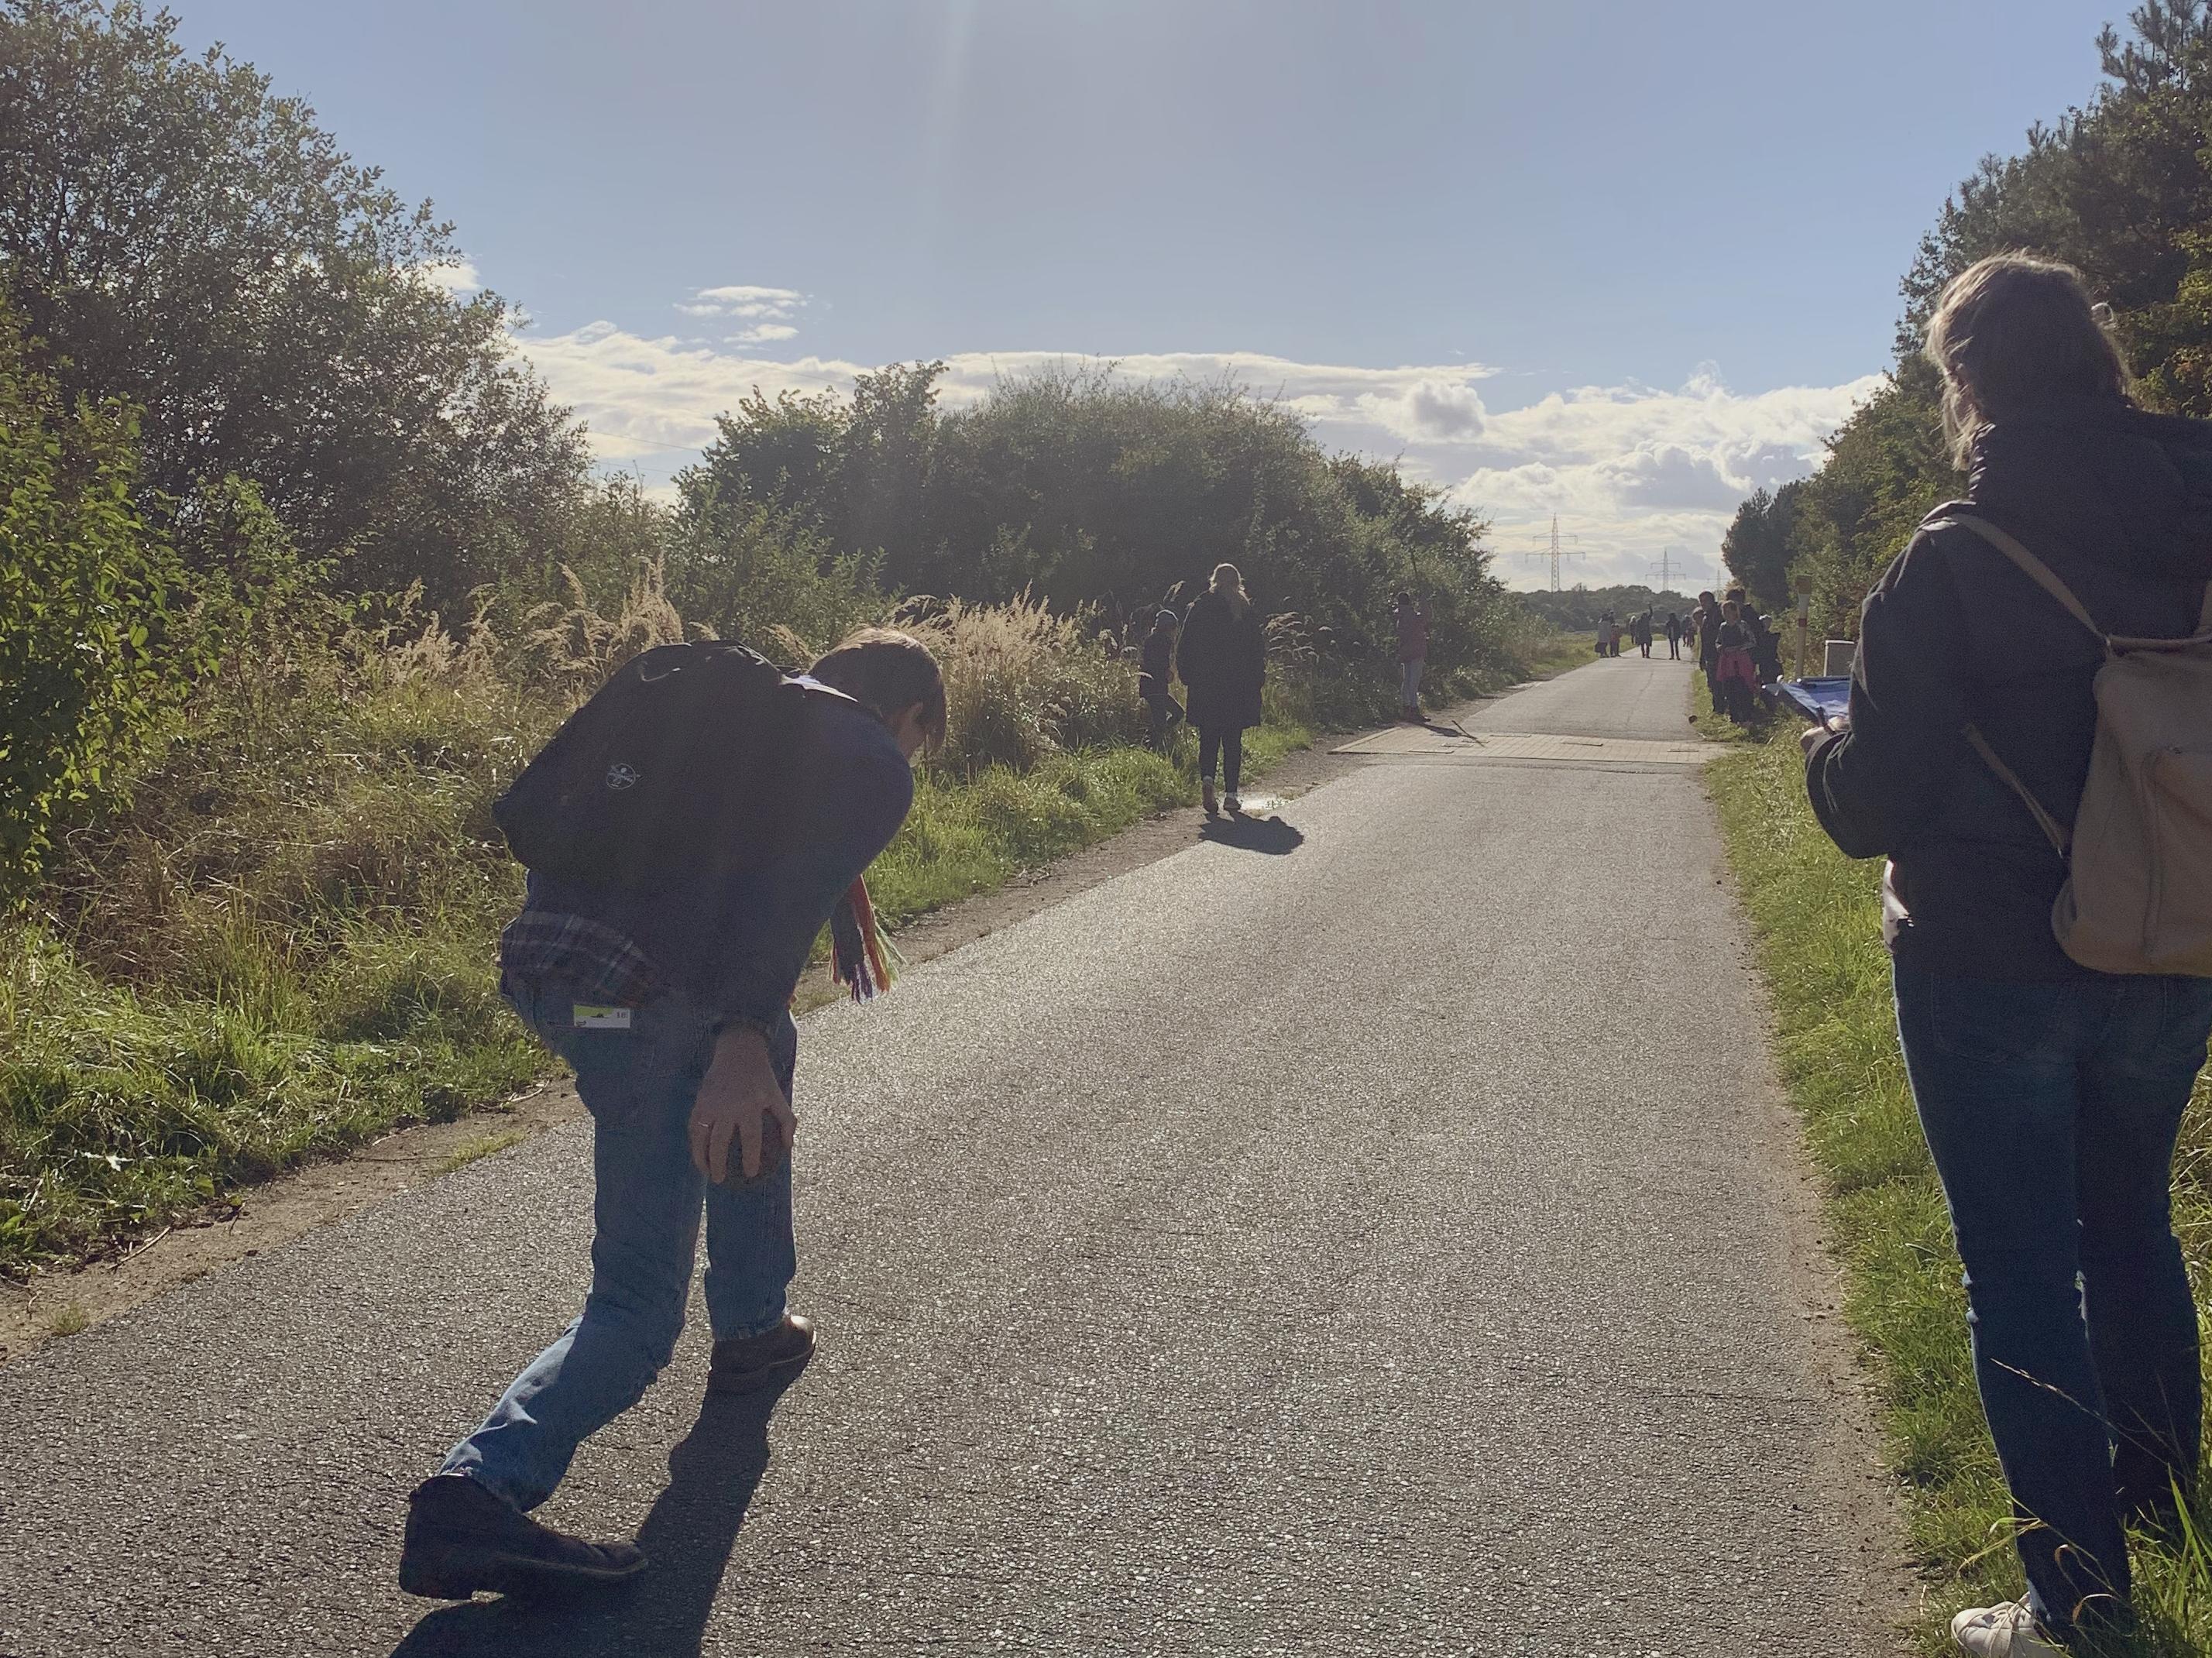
(667, 776)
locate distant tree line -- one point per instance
(2122, 188)
(1576, 610)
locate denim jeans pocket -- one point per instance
(2169, 1024)
(2031, 1026)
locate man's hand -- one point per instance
(738, 1090)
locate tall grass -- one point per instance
(1817, 919)
(284, 944)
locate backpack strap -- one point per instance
(2031, 567)
(2060, 837)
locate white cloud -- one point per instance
(769, 309)
(459, 277)
(1632, 471)
(783, 296)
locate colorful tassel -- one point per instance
(859, 953)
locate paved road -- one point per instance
(1376, 1238)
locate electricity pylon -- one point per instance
(1553, 553)
(1665, 570)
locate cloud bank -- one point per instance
(1632, 472)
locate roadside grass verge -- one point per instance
(1816, 919)
(1558, 654)
(283, 946)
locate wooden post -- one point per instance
(1804, 618)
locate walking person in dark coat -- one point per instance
(2050, 1094)
(1223, 658)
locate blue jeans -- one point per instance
(1409, 683)
(2051, 1110)
(639, 1085)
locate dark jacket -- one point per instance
(1223, 657)
(1156, 664)
(737, 945)
(2119, 504)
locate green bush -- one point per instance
(84, 587)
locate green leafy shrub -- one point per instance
(84, 589)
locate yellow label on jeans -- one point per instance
(588, 1018)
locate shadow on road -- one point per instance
(688, 1537)
(1267, 835)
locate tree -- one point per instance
(1086, 489)
(178, 237)
(1756, 548)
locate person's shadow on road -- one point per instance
(1269, 834)
(688, 1538)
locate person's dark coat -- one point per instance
(1156, 663)
(1223, 657)
(1759, 639)
(2119, 504)
(1708, 637)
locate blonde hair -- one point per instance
(2014, 332)
(1229, 581)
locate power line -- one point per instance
(1553, 553)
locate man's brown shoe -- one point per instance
(747, 1363)
(463, 1537)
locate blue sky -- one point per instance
(1618, 261)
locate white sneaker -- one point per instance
(2006, 1631)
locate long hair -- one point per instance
(2013, 333)
(1229, 581)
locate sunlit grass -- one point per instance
(483, 1146)
(1816, 916)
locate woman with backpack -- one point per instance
(2050, 1092)
(1222, 659)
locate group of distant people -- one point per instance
(1642, 630)
(1735, 646)
(1737, 650)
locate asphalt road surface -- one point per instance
(1371, 1232)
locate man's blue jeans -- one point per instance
(2051, 1110)
(639, 1085)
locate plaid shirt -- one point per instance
(599, 961)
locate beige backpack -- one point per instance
(2138, 894)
